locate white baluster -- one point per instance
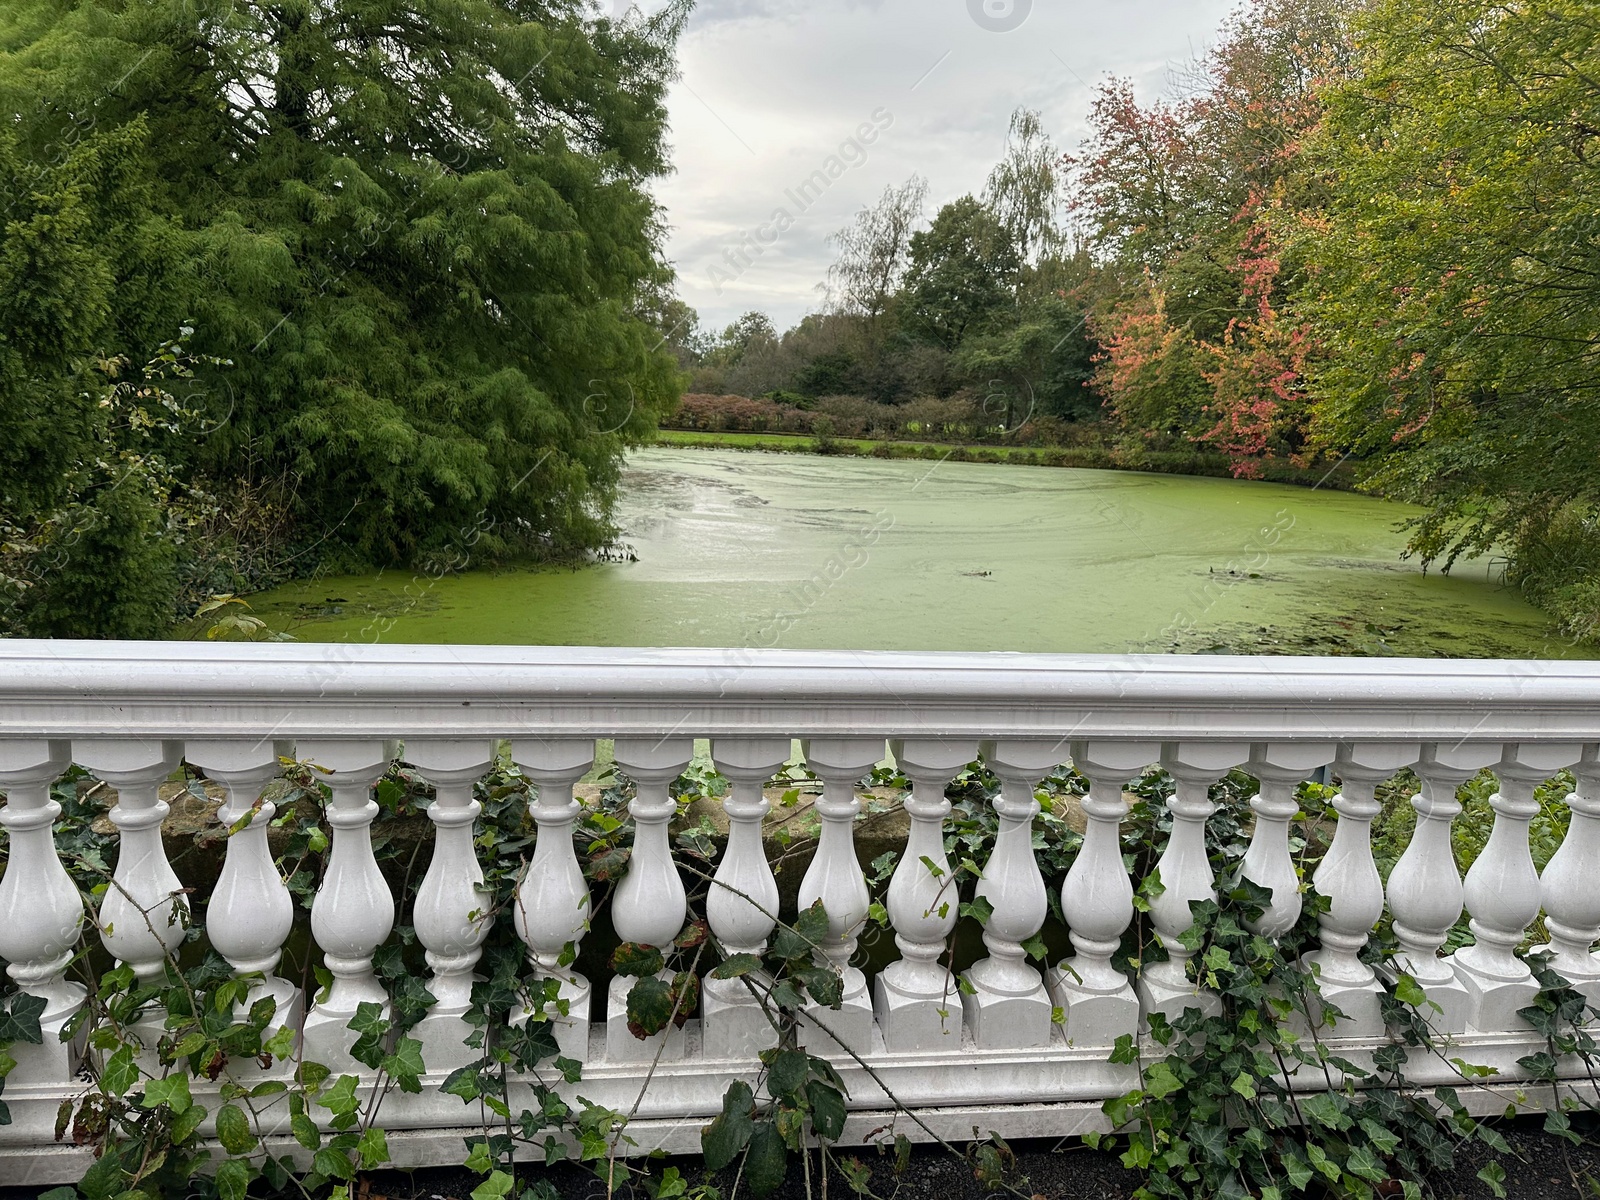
(1281, 767)
(552, 900)
(916, 998)
(835, 878)
(1005, 1001)
(1098, 1001)
(1349, 878)
(650, 904)
(451, 912)
(1571, 899)
(1502, 893)
(144, 914)
(1424, 892)
(354, 910)
(41, 911)
(743, 901)
(1186, 874)
(250, 912)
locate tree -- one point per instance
(1454, 288)
(751, 334)
(1150, 370)
(1190, 203)
(88, 490)
(1025, 188)
(420, 232)
(873, 249)
(962, 272)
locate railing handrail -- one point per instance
(289, 690)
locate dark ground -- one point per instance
(1546, 1168)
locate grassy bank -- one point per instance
(1165, 462)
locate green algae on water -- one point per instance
(749, 549)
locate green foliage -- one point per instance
(423, 245)
(1455, 286)
(807, 1096)
(961, 274)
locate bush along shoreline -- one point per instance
(1089, 448)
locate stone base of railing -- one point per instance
(953, 1095)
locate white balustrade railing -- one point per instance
(1008, 1044)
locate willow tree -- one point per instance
(420, 230)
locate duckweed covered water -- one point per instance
(798, 551)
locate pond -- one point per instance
(788, 550)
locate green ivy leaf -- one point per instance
(1327, 1108)
(373, 1148)
(19, 1020)
(340, 1099)
(1120, 1110)
(463, 1082)
(571, 1069)
(980, 910)
(1297, 1169)
(121, 1072)
(1321, 1161)
(1160, 1081)
(1408, 991)
(371, 1025)
(406, 1065)
(173, 1091)
(670, 1186)
(1494, 1177)
(495, 1188)
(1363, 1162)
(1124, 1051)
(1384, 1141)
(1214, 1141)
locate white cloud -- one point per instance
(771, 88)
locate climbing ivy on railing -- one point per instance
(1212, 1115)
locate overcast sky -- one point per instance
(772, 88)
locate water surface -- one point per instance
(736, 548)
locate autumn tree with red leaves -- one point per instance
(1185, 201)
